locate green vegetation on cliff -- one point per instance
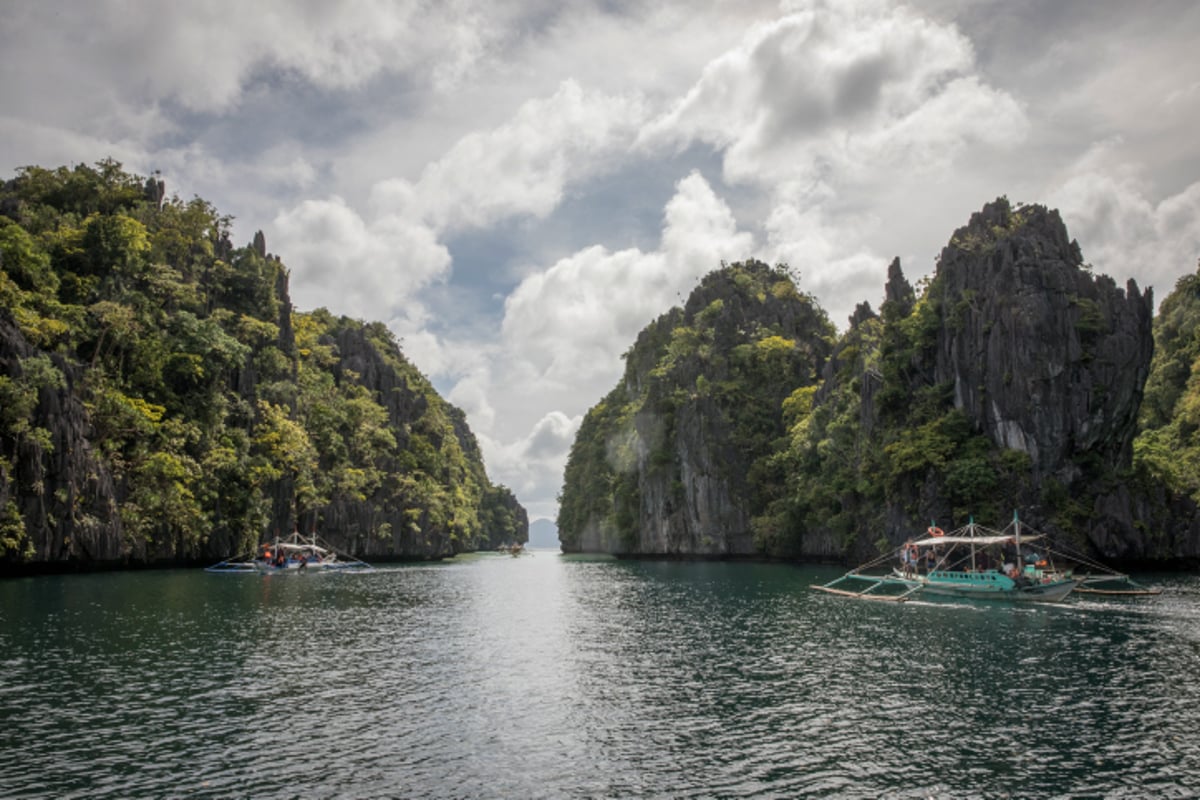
(161, 400)
(1011, 379)
(1168, 448)
(700, 409)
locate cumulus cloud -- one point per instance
(834, 260)
(839, 89)
(572, 320)
(523, 166)
(203, 55)
(371, 262)
(471, 395)
(532, 464)
(351, 265)
(1121, 229)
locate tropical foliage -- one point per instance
(726, 364)
(216, 412)
(858, 438)
(1168, 448)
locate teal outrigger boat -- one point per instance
(975, 562)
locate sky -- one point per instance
(518, 188)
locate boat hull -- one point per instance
(1040, 593)
(990, 586)
(291, 566)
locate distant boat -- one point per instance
(975, 562)
(292, 554)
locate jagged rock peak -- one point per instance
(156, 190)
(898, 294)
(1033, 230)
(1044, 356)
(862, 313)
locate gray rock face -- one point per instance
(66, 499)
(59, 500)
(699, 509)
(699, 408)
(1045, 357)
(1038, 354)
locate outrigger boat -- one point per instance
(980, 563)
(291, 554)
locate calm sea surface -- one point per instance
(549, 676)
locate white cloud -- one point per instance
(203, 55)
(834, 260)
(841, 89)
(551, 436)
(532, 465)
(1121, 230)
(353, 266)
(572, 321)
(933, 134)
(471, 395)
(523, 166)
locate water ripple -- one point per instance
(558, 677)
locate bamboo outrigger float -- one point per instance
(980, 563)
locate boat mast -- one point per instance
(1017, 525)
(971, 528)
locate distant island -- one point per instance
(745, 426)
(162, 402)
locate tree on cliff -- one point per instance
(160, 399)
(1167, 449)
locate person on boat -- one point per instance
(303, 562)
(908, 556)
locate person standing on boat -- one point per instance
(908, 556)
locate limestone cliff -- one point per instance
(673, 461)
(1011, 381)
(57, 497)
(1045, 357)
(1048, 359)
(162, 402)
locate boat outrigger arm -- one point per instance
(875, 582)
(865, 594)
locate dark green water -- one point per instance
(547, 676)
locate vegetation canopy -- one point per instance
(160, 399)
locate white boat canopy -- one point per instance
(312, 548)
(982, 541)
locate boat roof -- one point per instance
(982, 541)
(289, 546)
(295, 546)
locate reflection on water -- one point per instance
(549, 676)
